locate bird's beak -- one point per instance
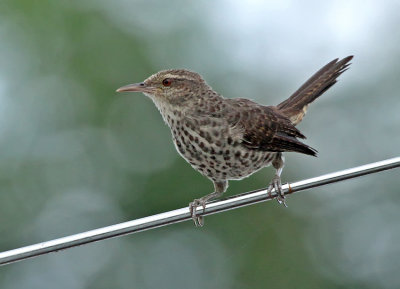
(136, 87)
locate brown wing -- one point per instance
(265, 128)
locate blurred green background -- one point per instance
(75, 155)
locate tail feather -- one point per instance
(295, 107)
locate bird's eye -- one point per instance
(167, 82)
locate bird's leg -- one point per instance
(219, 188)
(276, 183)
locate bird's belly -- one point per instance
(219, 160)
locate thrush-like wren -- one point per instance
(230, 139)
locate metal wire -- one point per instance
(183, 214)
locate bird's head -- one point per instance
(172, 87)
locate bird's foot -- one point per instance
(198, 220)
(277, 185)
(220, 187)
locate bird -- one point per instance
(231, 138)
